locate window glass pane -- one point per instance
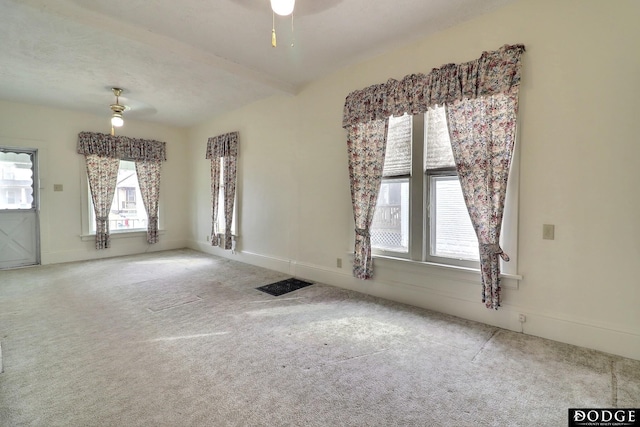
(221, 219)
(127, 209)
(390, 226)
(16, 181)
(438, 153)
(397, 160)
(452, 234)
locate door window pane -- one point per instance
(16, 180)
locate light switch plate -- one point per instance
(57, 187)
(548, 231)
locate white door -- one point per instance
(19, 225)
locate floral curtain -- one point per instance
(230, 167)
(482, 133)
(121, 147)
(223, 148)
(494, 73)
(215, 191)
(103, 174)
(148, 172)
(102, 152)
(366, 146)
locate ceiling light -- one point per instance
(116, 118)
(283, 7)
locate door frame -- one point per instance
(36, 198)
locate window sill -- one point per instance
(120, 234)
(451, 272)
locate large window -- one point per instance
(420, 213)
(221, 197)
(127, 209)
(450, 230)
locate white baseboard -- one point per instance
(116, 250)
(607, 338)
(272, 263)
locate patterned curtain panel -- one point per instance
(149, 181)
(103, 153)
(493, 74)
(215, 191)
(230, 167)
(103, 174)
(121, 147)
(224, 147)
(366, 145)
(482, 133)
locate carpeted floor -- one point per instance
(181, 338)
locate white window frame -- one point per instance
(419, 215)
(430, 178)
(234, 220)
(88, 213)
(390, 253)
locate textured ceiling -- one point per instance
(182, 62)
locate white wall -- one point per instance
(54, 133)
(579, 153)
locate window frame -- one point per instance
(430, 176)
(88, 233)
(221, 219)
(420, 215)
(391, 253)
(92, 215)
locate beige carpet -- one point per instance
(181, 338)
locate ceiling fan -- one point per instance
(132, 108)
(116, 119)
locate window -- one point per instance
(127, 209)
(11, 197)
(420, 213)
(131, 195)
(451, 231)
(391, 220)
(390, 227)
(221, 220)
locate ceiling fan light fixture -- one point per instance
(283, 7)
(117, 120)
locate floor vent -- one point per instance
(284, 287)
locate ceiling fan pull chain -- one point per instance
(292, 38)
(273, 29)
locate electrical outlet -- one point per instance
(522, 318)
(339, 262)
(548, 231)
(57, 187)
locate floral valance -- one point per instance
(492, 73)
(121, 147)
(225, 145)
